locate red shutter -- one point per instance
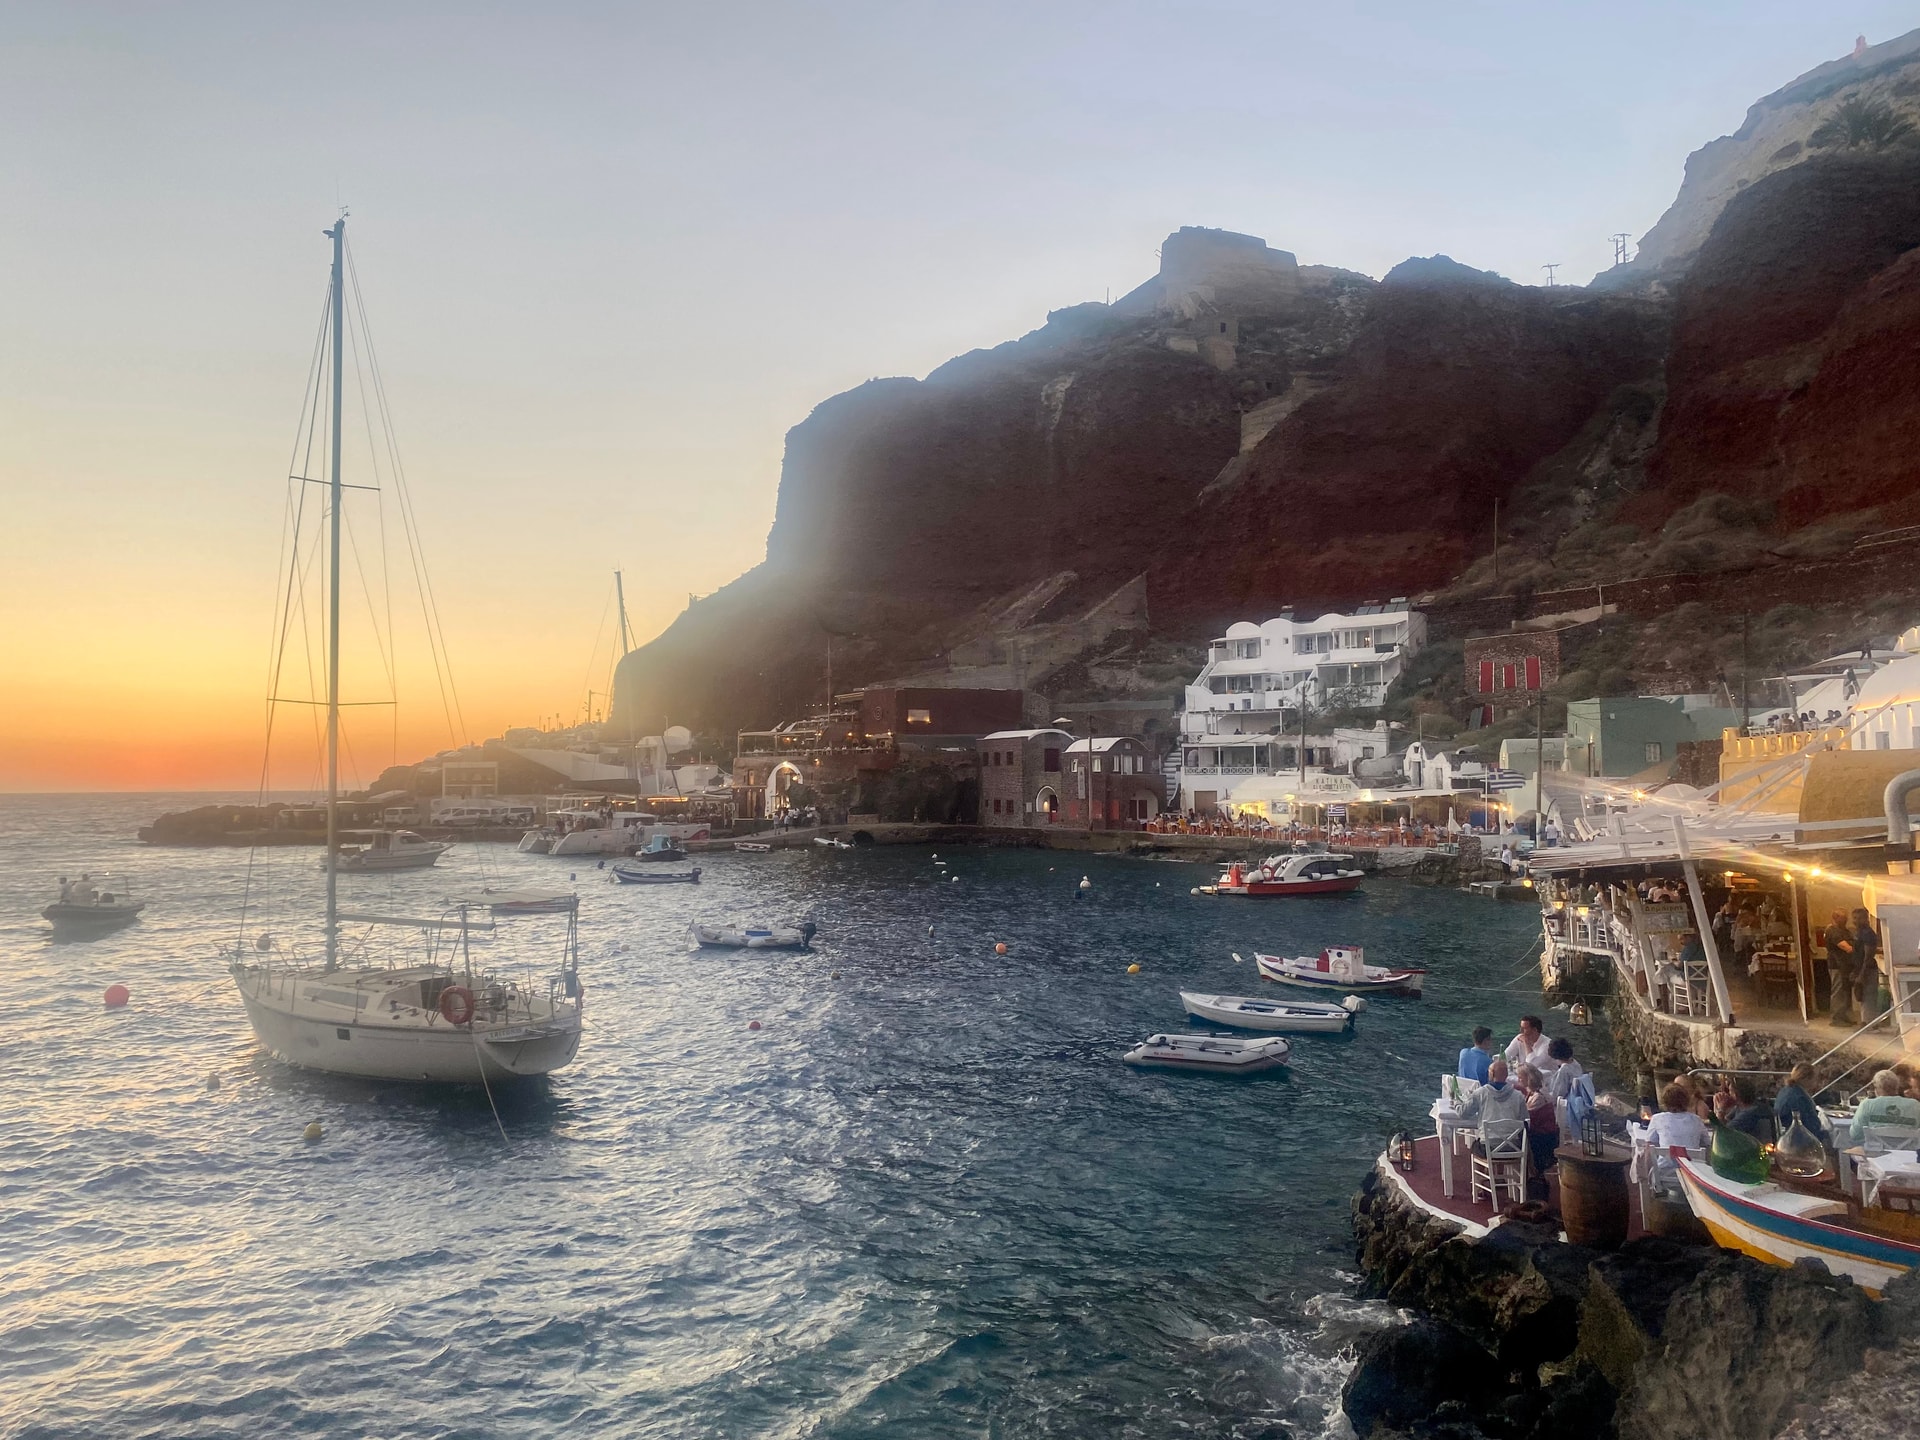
(1486, 676)
(1506, 677)
(1533, 672)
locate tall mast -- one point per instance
(338, 234)
(626, 634)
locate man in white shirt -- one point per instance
(1529, 1047)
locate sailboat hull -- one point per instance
(445, 1054)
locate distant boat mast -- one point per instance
(338, 234)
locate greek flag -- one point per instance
(1505, 780)
(1337, 813)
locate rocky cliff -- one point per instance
(1243, 432)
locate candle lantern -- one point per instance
(1579, 1014)
(1401, 1149)
(1592, 1140)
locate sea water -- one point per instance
(924, 1199)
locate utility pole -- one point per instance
(1539, 764)
(1496, 540)
(1550, 269)
(1745, 698)
(1619, 247)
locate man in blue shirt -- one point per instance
(1793, 1102)
(1477, 1056)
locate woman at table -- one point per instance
(1675, 1126)
(1543, 1126)
(1794, 1103)
(1561, 1079)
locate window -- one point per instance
(996, 804)
(919, 717)
(1486, 677)
(1050, 760)
(1883, 740)
(1533, 672)
(1655, 752)
(1223, 327)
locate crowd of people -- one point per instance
(1531, 1081)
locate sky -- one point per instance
(611, 253)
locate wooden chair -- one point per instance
(1776, 982)
(1500, 1162)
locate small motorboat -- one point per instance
(92, 904)
(1303, 874)
(756, 937)
(659, 847)
(530, 902)
(832, 842)
(1341, 967)
(628, 873)
(1245, 1012)
(752, 847)
(1226, 1054)
(378, 851)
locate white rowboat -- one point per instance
(1247, 1013)
(1341, 967)
(1223, 1054)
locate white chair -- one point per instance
(1882, 1137)
(1500, 1162)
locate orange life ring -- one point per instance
(456, 1005)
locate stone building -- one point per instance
(1120, 789)
(1021, 780)
(1507, 672)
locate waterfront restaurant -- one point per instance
(1706, 921)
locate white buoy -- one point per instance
(1085, 883)
(1353, 1004)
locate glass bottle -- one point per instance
(1799, 1153)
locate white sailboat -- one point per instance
(435, 1016)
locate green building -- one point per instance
(1626, 734)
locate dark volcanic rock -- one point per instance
(1784, 288)
(1406, 1375)
(1384, 481)
(1743, 1345)
(1624, 1315)
(1517, 1292)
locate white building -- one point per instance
(1254, 672)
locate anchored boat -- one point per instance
(92, 904)
(1248, 1013)
(382, 850)
(628, 873)
(1341, 967)
(1223, 1054)
(422, 1009)
(756, 937)
(1277, 875)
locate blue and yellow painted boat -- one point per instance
(1780, 1226)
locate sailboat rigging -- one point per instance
(436, 1017)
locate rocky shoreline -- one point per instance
(1515, 1334)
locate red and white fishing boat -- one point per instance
(1315, 874)
(1341, 967)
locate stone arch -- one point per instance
(779, 779)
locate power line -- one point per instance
(1620, 243)
(1550, 269)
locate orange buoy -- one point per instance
(753, 1025)
(456, 1005)
(117, 995)
(1001, 948)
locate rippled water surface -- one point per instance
(925, 1199)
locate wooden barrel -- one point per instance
(1593, 1197)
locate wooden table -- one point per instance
(1593, 1195)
